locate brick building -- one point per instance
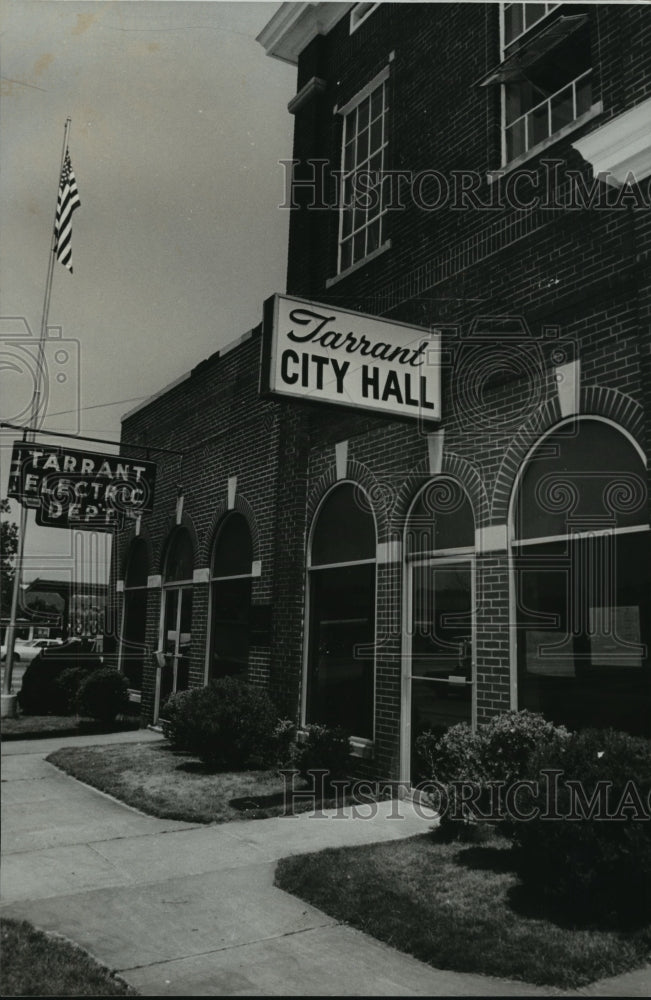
(391, 540)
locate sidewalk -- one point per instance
(180, 909)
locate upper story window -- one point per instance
(519, 17)
(359, 14)
(363, 202)
(545, 73)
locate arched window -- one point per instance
(582, 579)
(177, 615)
(231, 582)
(341, 636)
(134, 614)
(440, 541)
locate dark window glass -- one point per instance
(345, 529)
(233, 552)
(441, 518)
(231, 598)
(584, 629)
(231, 624)
(133, 636)
(585, 476)
(179, 562)
(135, 613)
(137, 565)
(342, 631)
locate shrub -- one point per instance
(284, 743)
(229, 724)
(322, 748)
(68, 683)
(499, 751)
(457, 755)
(40, 693)
(181, 719)
(599, 864)
(103, 694)
(509, 741)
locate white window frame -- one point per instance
(380, 80)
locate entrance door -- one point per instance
(174, 674)
(439, 669)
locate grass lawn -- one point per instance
(173, 785)
(39, 964)
(458, 906)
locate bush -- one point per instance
(457, 755)
(103, 694)
(229, 724)
(41, 693)
(68, 683)
(285, 743)
(596, 865)
(322, 748)
(511, 739)
(499, 751)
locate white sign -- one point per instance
(322, 354)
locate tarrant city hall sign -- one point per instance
(318, 353)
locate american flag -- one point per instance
(67, 202)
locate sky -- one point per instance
(179, 120)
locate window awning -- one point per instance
(513, 67)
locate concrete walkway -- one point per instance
(180, 909)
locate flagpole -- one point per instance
(8, 708)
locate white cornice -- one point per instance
(620, 147)
(294, 25)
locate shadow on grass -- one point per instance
(576, 914)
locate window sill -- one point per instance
(359, 747)
(358, 263)
(593, 112)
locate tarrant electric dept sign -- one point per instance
(320, 354)
(79, 489)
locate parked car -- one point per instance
(26, 649)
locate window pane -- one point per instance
(583, 95)
(133, 636)
(346, 255)
(538, 125)
(562, 109)
(341, 665)
(584, 623)
(513, 21)
(533, 12)
(230, 627)
(515, 140)
(233, 551)
(373, 241)
(585, 476)
(362, 147)
(138, 565)
(363, 112)
(179, 562)
(376, 102)
(442, 518)
(345, 529)
(376, 135)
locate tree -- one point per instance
(8, 549)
